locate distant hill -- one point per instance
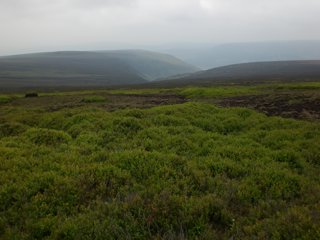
(253, 72)
(208, 56)
(79, 68)
(153, 65)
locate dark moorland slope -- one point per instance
(102, 68)
(253, 72)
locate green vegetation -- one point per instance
(202, 92)
(188, 171)
(234, 90)
(298, 86)
(5, 99)
(213, 92)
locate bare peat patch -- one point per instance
(298, 106)
(101, 100)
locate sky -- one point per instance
(52, 25)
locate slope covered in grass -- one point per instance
(251, 73)
(189, 171)
(79, 68)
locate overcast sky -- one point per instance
(46, 25)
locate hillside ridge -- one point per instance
(88, 68)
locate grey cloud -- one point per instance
(102, 3)
(16, 7)
(57, 24)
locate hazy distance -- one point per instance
(45, 25)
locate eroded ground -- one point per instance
(299, 101)
(110, 102)
(289, 105)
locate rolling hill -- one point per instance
(253, 72)
(79, 68)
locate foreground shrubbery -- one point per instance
(185, 171)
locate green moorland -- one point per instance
(185, 171)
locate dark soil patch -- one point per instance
(303, 106)
(112, 101)
(120, 101)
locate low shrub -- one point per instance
(11, 129)
(188, 171)
(42, 136)
(5, 99)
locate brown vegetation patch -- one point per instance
(298, 106)
(112, 101)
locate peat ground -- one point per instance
(288, 105)
(106, 101)
(298, 101)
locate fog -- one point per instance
(46, 25)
